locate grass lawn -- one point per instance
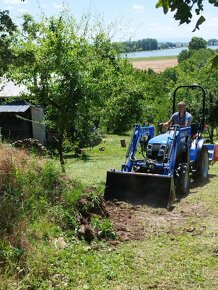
(92, 167)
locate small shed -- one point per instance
(19, 120)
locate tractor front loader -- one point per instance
(163, 171)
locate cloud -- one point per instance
(59, 6)
(15, 2)
(138, 7)
(8, 8)
(212, 22)
(44, 5)
(23, 11)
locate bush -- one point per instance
(184, 54)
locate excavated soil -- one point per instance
(132, 222)
(135, 222)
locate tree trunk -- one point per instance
(60, 151)
(211, 133)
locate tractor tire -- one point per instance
(202, 166)
(182, 179)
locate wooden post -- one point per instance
(123, 142)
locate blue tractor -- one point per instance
(162, 172)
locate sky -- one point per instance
(135, 19)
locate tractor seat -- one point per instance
(194, 130)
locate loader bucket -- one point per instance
(140, 188)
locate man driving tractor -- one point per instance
(182, 117)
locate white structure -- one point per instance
(12, 106)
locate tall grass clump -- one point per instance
(33, 205)
(42, 211)
(27, 186)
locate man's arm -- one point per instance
(170, 122)
(167, 124)
(188, 120)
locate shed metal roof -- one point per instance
(14, 108)
(10, 89)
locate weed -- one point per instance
(104, 227)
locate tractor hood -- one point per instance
(162, 139)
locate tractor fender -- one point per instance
(199, 147)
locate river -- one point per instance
(160, 52)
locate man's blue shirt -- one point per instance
(186, 118)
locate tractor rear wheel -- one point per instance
(202, 166)
(182, 179)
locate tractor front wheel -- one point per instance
(182, 179)
(202, 166)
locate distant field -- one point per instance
(157, 63)
(153, 58)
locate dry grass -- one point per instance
(11, 158)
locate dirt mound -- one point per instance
(30, 144)
(127, 220)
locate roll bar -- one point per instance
(203, 101)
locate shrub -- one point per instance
(104, 227)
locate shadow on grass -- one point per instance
(83, 157)
(195, 185)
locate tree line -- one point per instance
(146, 44)
(137, 45)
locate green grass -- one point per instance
(150, 58)
(91, 169)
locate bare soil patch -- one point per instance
(135, 222)
(131, 222)
(156, 65)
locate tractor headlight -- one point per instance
(162, 150)
(149, 150)
(163, 147)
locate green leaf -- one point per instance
(199, 22)
(164, 4)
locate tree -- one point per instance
(62, 71)
(212, 42)
(197, 43)
(124, 107)
(7, 28)
(137, 97)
